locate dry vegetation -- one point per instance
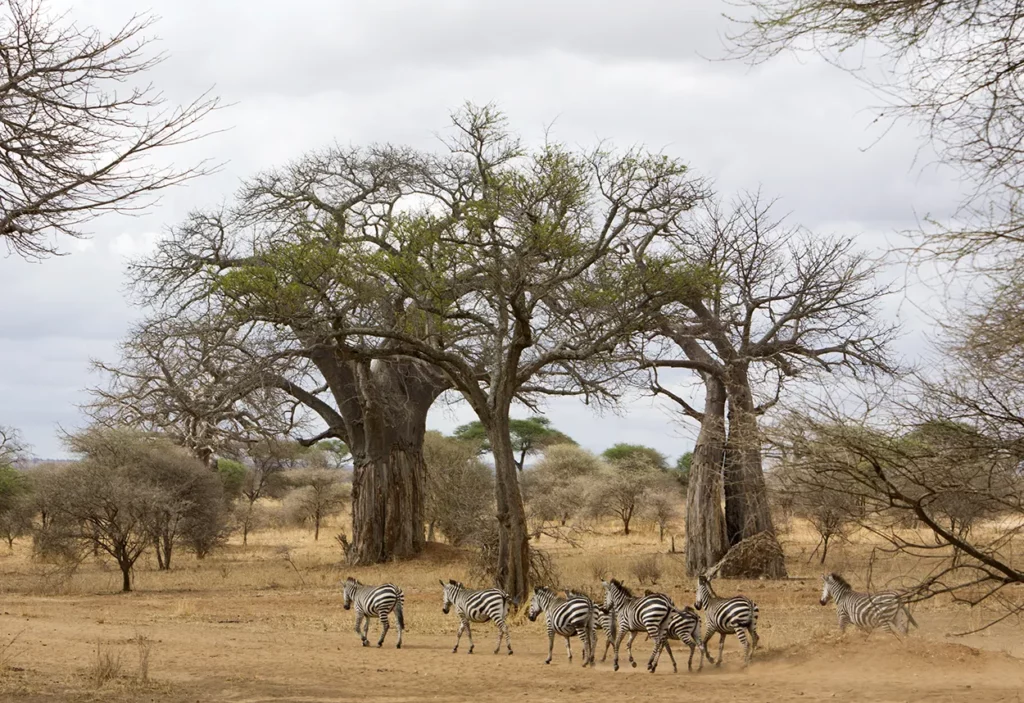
(265, 622)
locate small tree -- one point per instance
(12, 449)
(530, 436)
(556, 488)
(270, 457)
(320, 494)
(652, 457)
(460, 489)
(622, 489)
(661, 505)
(16, 509)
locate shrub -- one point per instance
(647, 569)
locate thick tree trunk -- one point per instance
(382, 416)
(747, 510)
(705, 522)
(126, 574)
(387, 504)
(513, 573)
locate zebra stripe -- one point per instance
(477, 606)
(375, 601)
(604, 620)
(567, 618)
(867, 611)
(648, 614)
(726, 616)
(684, 626)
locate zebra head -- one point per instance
(350, 591)
(832, 586)
(615, 594)
(540, 602)
(704, 592)
(451, 592)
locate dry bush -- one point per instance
(484, 565)
(460, 489)
(556, 488)
(646, 569)
(106, 665)
(144, 647)
(318, 495)
(600, 567)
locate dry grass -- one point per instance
(217, 622)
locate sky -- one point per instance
(303, 74)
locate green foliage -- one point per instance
(232, 475)
(628, 453)
(529, 436)
(682, 468)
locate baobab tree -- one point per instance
(785, 304)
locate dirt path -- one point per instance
(298, 646)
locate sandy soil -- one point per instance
(254, 628)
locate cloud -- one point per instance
(306, 73)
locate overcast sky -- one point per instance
(301, 74)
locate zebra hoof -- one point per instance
(510, 652)
(633, 664)
(615, 667)
(548, 661)
(365, 643)
(379, 645)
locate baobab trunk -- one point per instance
(388, 498)
(513, 568)
(747, 510)
(705, 522)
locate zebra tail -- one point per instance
(399, 615)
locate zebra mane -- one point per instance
(840, 580)
(618, 584)
(453, 582)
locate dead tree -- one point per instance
(76, 142)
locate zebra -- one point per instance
(647, 613)
(726, 616)
(375, 600)
(604, 619)
(477, 606)
(574, 616)
(684, 626)
(866, 610)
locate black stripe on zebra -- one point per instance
(375, 601)
(867, 611)
(477, 606)
(726, 616)
(633, 615)
(604, 620)
(566, 617)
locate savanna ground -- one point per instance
(265, 623)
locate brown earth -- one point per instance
(266, 624)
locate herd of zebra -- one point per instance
(621, 614)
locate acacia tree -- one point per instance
(529, 437)
(200, 382)
(75, 143)
(288, 260)
(785, 304)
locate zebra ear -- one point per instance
(440, 582)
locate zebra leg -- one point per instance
(588, 649)
(705, 654)
(469, 633)
(742, 636)
(689, 664)
(629, 648)
(458, 637)
(366, 631)
(607, 644)
(721, 648)
(508, 636)
(384, 627)
(668, 650)
(551, 646)
(359, 628)
(568, 649)
(618, 643)
(400, 621)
